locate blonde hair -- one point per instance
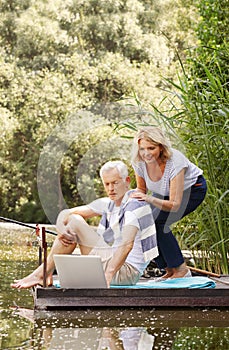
(154, 135)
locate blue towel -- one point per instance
(187, 282)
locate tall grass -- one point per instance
(205, 112)
(199, 114)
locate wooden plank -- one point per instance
(60, 303)
(129, 292)
(51, 298)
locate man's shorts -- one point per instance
(126, 275)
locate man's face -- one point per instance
(115, 186)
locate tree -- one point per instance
(60, 57)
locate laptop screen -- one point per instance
(80, 271)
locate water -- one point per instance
(22, 328)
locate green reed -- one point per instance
(198, 111)
(202, 119)
(205, 112)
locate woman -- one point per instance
(177, 188)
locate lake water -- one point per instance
(22, 328)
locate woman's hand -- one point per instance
(140, 196)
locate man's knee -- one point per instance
(77, 219)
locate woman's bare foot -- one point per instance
(30, 281)
(169, 273)
(181, 274)
(181, 271)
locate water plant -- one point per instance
(196, 113)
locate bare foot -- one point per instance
(180, 273)
(30, 281)
(169, 273)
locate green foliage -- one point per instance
(206, 114)
(213, 31)
(206, 101)
(199, 117)
(199, 112)
(203, 338)
(59, 57)
(10, 11)
(214, 15)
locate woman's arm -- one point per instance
(175, 195)
(141, 184)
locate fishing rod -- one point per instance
(25, 225)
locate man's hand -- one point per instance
(66, 242)
(65, 235)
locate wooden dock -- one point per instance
(52, 298)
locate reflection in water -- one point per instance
(21, 328)
(116, 329)
(128, 329)
(126, 338)
(135, 338)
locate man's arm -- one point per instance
(84, 210)
(128, 235)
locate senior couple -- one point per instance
(135, 224)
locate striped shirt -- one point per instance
(173, 166)
(135, 213)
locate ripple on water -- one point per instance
(84, 329)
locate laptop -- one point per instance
(80, 271)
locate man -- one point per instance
(125, 239)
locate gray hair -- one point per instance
(116, 164)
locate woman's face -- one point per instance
(149, 151)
